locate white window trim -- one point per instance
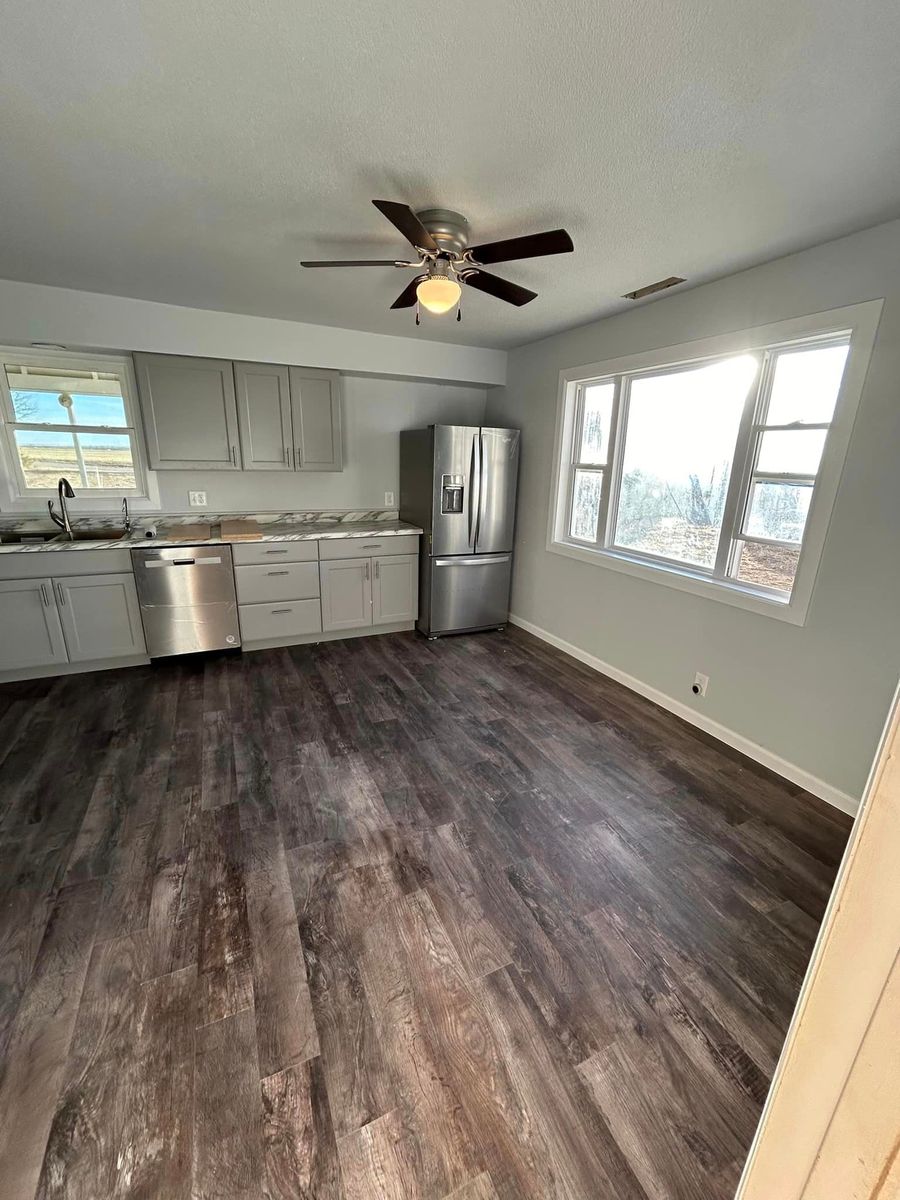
(859, 320)
(14, 499)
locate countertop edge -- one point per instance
(375, 530)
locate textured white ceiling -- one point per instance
(193, 152)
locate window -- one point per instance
(71, 416)
(708, 471)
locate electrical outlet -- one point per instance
(389, 499)
(700, 684)
(197, 499)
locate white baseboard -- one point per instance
(788, 770)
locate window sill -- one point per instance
(685, 580)
(86, 503)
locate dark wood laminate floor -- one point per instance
(389, 919)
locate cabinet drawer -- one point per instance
(277, 581)
(31, 564)
(260, 621)
(368, 547)
(252, 553)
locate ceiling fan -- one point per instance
(445, 260)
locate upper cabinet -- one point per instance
(206, 414)
(190, 414)
(264, 414)
(316, 409)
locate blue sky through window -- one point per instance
(44, 408)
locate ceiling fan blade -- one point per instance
(359, 262)
(495, 286)
(402, 217)
(407, 297)
(532, 245)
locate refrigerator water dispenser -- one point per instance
(451, 493)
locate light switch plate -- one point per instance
(389, 499)
(197, 499)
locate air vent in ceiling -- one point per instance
(653, 287)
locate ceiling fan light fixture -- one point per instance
(438, 293)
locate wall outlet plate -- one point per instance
(197, 499)
(389, 499)
(700, 684)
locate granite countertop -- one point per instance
(308, 531)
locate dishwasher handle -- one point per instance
(213, 561)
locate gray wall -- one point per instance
(375, 410)
(815, 695)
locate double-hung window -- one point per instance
(714, 472)
(72, 416)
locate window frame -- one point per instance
(858, 322)
(22, 499)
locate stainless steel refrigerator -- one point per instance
(459, 483)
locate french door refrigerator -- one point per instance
(459, 483)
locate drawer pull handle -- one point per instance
(372, 546)
(284, 550)
(276, 612)
(278, 572)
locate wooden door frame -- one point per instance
(847, 974)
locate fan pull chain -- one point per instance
(417, 310)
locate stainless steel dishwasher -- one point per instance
(187, 598)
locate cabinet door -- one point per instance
(346, 586)
(190, 414)
(264, 415)
(316, 408)
(30, 632)
(395, 588)
(100, 615)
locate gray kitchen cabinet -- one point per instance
(264, 415)
(395, 588)
(316, 413)
(346, 588)
(189, 411)
(100, 616)
(31, 632)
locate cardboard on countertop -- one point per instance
(241, 530)
(185, 533)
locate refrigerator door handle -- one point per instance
(479, 442)
(474, 489)
(474, 560)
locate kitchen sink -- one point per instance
(105, 534)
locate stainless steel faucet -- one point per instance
(126, 514)
(64, 491)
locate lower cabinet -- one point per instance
(32, 635)
(346, 593)
(395, 588)
(100, 615)
(78, 618)
(369, 591)
(279, 620)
